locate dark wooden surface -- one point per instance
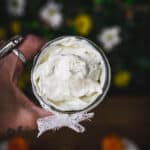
(128, 116)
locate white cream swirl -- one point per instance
(69, 74)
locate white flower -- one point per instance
(109, 37)
(3, 145)
(51, 14)
(16, 7)
(130, 145)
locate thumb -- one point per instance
(41, 112)
(29, 112)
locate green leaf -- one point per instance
(129, 2)
(104, 1)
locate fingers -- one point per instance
(20, 113)
(28, 116)
(31, 45)
(31, 113)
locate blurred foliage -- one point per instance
(130, 58)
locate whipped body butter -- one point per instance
(70, 74)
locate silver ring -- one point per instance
(19, 54)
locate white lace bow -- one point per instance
(59, 120)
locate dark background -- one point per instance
(125, 110)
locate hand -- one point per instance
(16, 110)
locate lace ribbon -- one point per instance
(57, 121)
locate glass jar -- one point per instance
(105, 82)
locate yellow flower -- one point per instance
(122, 78)
(15, 27)
(2, 33)
(83, 24)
